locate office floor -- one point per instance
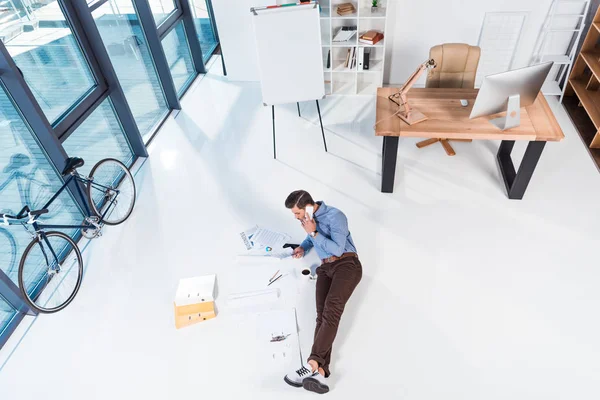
(465, 294)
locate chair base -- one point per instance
(445, 144)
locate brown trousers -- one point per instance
(335, 283)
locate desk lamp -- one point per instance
(411, 115)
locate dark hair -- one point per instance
(299, 198)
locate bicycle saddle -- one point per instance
(72, 164)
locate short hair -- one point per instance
(299, 198)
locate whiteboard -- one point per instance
(290, 61)
(498, 40)
(236, 37)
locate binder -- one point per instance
(361, 58)
(366, 58)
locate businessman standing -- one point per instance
(337, 277)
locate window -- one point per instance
(50, 58)
(7, 312)
(131, 59)
(179, 58)
(161, 9)
(99, 136)
(206, 34)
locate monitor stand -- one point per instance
(513, 114)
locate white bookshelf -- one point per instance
(340, 80)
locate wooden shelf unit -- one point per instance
(582, 96)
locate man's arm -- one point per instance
(307, 244)
(339, 234)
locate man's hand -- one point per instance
(298, 252)
(309, 225)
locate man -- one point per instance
(337, 277)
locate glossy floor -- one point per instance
(465, 294)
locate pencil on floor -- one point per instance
(274, 280)
(274, 275)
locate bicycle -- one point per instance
(51, 267)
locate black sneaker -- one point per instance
(315, 383)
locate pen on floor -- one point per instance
(274, 275)
(274, 280)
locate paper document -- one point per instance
(269, 238)
(259, 255)
(247, 237)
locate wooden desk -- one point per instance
(448, 119)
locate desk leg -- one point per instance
(388, 166)
(516, 182)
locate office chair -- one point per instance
(456, 68)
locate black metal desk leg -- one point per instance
(274, 147)
(298, 105)
(388, 167)
(517, 182)
(321, 121)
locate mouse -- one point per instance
(464, 103)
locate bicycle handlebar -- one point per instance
(24, 213)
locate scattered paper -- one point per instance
(268, 238)
(247, 237)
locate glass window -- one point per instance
(7, 312)
(128, 51)
(49, 56)
(179, 58)
(206, 34)
(99, 136)
(26, 178)
(161, 9)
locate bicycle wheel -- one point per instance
(8, 255)
(111, 191)
(50, 272)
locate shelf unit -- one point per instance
(340, 80)
(559, 40)
(582, 98)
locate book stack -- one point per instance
(346, 9)
(370, 37)
(195, 300)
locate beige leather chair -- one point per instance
(456, 68)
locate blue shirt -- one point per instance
(334, 238)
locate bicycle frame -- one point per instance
(84, 200)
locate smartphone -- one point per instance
(309, 211)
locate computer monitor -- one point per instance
(509, 91)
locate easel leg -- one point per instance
(322, 130)
(298, 104)
(274, 147)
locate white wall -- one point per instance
(414, 26)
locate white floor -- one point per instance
(465, 294)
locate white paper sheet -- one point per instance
(269, 238)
